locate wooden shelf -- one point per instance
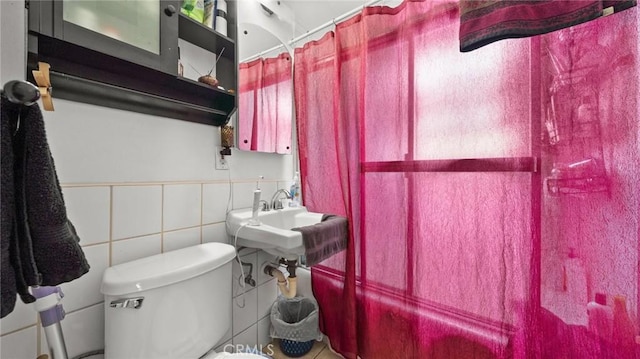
(78, 89)
(132, 88)
(92, 68)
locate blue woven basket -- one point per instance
(294, 349)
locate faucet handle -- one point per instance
(265, 205)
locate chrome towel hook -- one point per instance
(21, 92)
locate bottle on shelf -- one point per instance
(220, 21)
(209, 13)
(193, 9)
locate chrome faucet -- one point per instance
(275, 204)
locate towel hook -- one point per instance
(21, 92)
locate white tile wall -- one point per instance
(247, 339)
(215, 199)
(180, 239)
(181, 207)
(227, 337)
(267, 294)
(19, 345)
(240, 200)
(245, 310)
(137, 211)
(23, 315)
(215, 233)
(130, 249)
(113, 165)
(243, 193)
(264, 327)
(88, 208)
(225, 347)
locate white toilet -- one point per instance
(175, 305)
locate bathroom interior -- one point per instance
(490, 184)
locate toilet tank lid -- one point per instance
(164, 269)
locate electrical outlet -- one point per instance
(222, 163)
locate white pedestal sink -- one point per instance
(274, 234)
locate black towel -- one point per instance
(43, 245)
(324, 239)
(7, 226)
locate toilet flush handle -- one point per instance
(134, 303)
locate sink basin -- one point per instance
(274, 234)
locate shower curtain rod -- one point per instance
(333, 21)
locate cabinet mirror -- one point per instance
(265, 83)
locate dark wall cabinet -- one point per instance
(124, 54)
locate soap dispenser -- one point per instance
(294, 191)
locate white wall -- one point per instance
(136, 185)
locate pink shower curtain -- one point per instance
(264, 105)
(492, 196)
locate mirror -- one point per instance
(269, 23)
(265, 78)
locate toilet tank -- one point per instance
(171, 305)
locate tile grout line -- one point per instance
(201, 212)
(110, 226)
(321, 351)
(85, 307)
(157, 183)
(257, 298)
(38, 335)
(162, 187)
(141, 236)
(153, 234)
(36, 324)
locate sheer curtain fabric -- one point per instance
(491, 195)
